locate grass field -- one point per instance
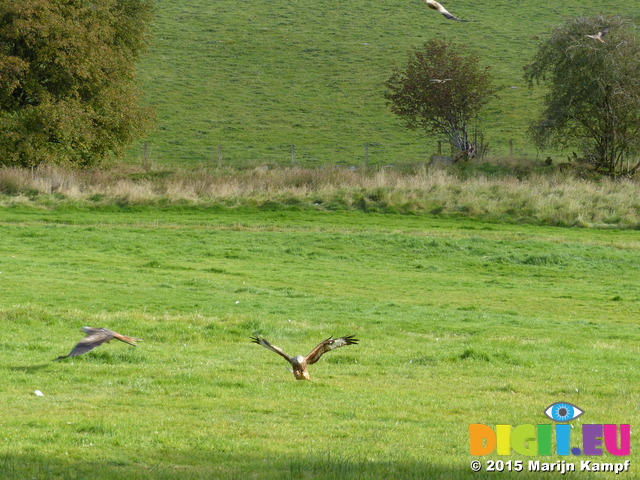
(459, 322)
(470, 305)
(513, 193)
(257, 77)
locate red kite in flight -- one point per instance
(598, 36)
(299, 363)
(436, 6)
(96, 337)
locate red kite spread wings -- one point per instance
(437, 6)
(600, 35)
(299, 363)
(96, 337)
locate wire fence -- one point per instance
(234, 155)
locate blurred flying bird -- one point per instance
(96, 337)
(299, 363)
(598, 36)
(436, 6)
(437, 80)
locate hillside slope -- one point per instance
(256, 77)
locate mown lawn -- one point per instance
(459, 322)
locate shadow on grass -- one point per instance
(244, 466)
(29, 368)
(122, 356)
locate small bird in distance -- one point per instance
(96, 337)
(299, 363)
(438, 80)
(437, 6)
(599, 36)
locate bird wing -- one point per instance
(600, 34)
(273, 348)
(328, 345)
(437, 6)
(95, 337)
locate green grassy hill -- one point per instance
(256, 77)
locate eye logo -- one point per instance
(562, 412)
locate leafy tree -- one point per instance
(67, 91)
(440, 91)
(593, 99)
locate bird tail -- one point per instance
(130, 340)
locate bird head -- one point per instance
(300, 368)
(298, 361)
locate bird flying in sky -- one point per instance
(96, 337)
(299, 363)
(437, 6)
(599, 36)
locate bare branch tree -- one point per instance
(441, 91)
(593, 101)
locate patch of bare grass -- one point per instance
(550, 198)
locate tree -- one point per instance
(440, 91)
(593, 99)
(67, 91)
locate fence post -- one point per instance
(219, 156)
(366, 154)
(439, 148)
(293, 154)
(145, 156)
(511, 147)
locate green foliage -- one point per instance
(441, 92)
(67, 93)
(594, 91)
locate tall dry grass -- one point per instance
(553, 198)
